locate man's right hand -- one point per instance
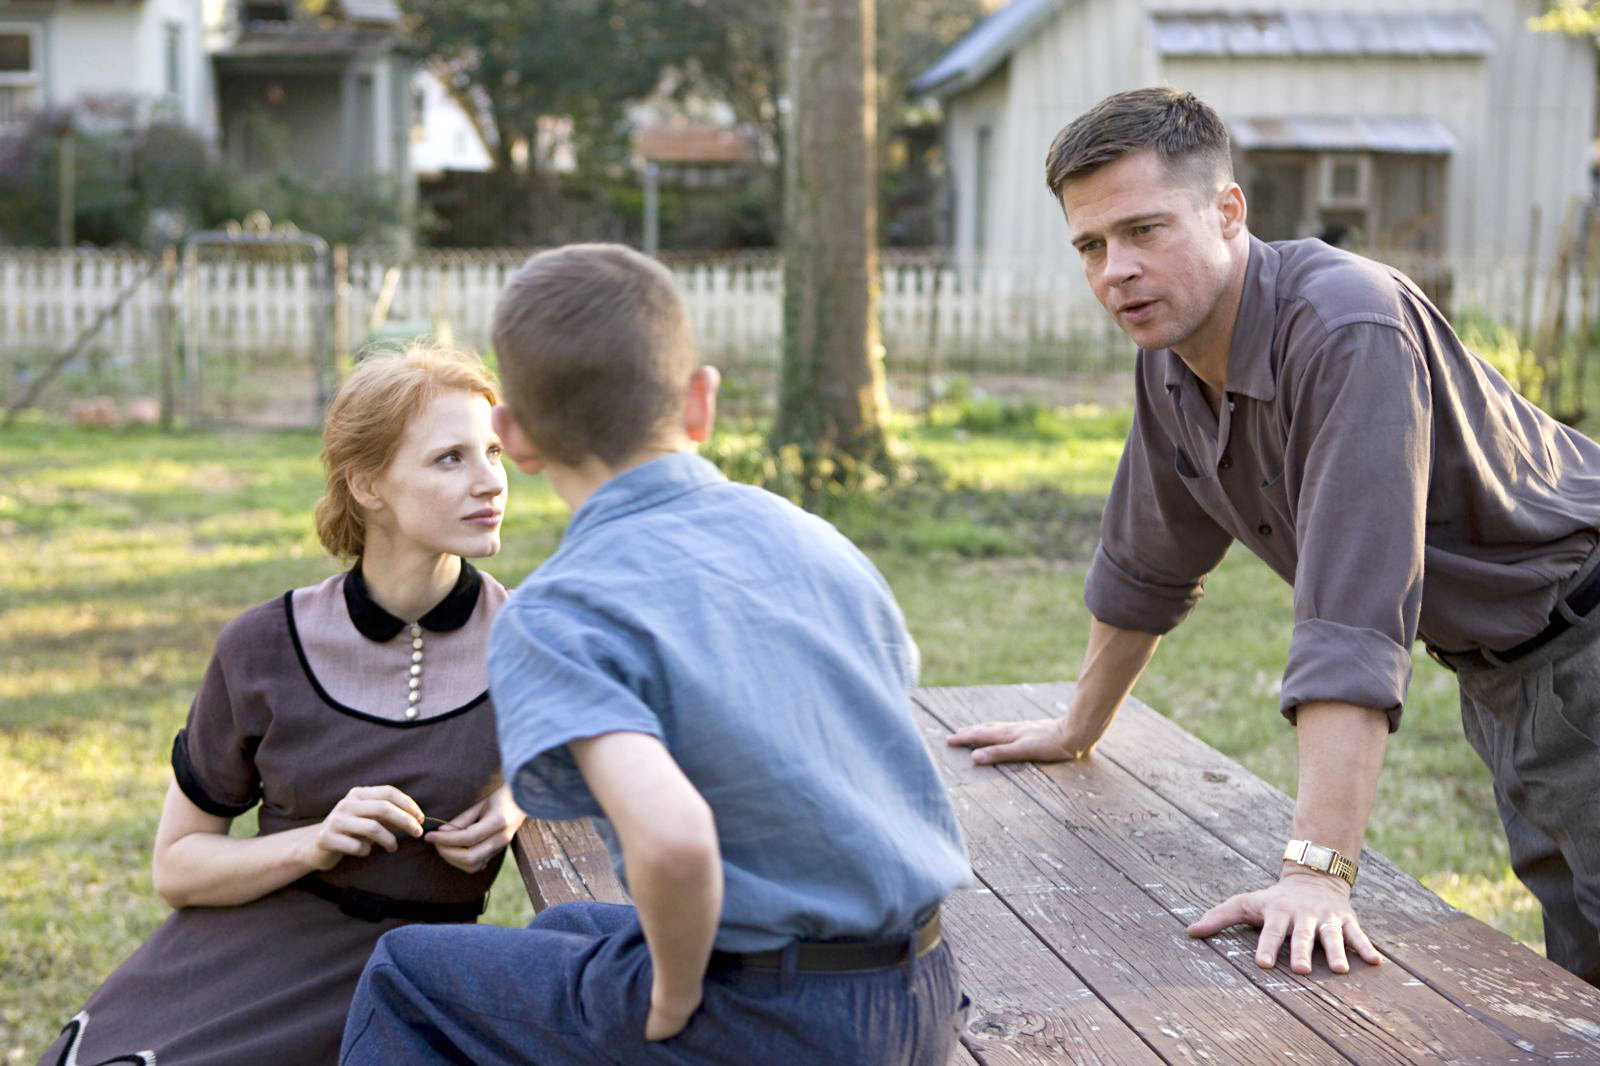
(1034, 740)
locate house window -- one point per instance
(266, 11)
(173, 40)
(19, 71)
(1345, 180)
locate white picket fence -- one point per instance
(253, 323)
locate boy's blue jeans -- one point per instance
(574, 987)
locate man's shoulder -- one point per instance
(1335, 285)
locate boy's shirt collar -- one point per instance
(644, 486)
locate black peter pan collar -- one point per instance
(375, 623)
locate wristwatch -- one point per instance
(1324, 860)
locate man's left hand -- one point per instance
(1308, 908)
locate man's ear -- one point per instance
(700, 405)
(518, 448)
(1231, 206)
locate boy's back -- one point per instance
(769, 656)
(720, 680)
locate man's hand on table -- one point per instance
(1308, 908)
(1033, 740)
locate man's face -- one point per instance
(1153, 246)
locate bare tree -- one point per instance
(832, 400)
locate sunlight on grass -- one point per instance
(1500, 894)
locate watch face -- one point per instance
(1318, 857)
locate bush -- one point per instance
(147, 184)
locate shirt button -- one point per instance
(1264, 529)
(1225, 462)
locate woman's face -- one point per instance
(444, 489)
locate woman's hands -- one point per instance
(368, 815)
(477, 834)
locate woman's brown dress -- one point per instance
(304, 699)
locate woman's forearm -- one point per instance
(214, 870)
(197, 864)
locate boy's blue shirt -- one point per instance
(769, 656)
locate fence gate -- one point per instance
(256, 326)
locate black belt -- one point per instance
(1580, 601)
(371, 907)
(838, 956)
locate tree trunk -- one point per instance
(832, 401)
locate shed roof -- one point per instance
(1398, 134)
(1224, 33)
(1321, 33)
(984, 47)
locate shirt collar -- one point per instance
(377, 624)
(644, 486)
(1250, 350)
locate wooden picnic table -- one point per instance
(1071, 938)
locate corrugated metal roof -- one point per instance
(1321, 33)
(984, 47)
(1407, 135)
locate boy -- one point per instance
(719, 679)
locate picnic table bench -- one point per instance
(1071, 938)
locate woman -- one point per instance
(356, 713)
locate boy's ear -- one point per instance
(700, 405)
(518, 448)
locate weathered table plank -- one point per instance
(1376, 1014)
(1535, 1006)
(1072, 943)
(1114, 937)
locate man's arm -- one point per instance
(673, 862)
(1341, 751)
(1113, 662)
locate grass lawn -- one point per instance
(126, 551)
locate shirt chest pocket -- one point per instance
(1204, 487)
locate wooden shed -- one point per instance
(1431, 128)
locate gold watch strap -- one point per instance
(1321, 859)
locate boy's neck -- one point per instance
(575, 484)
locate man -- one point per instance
(1315, 406)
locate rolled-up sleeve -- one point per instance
(557, 676)
(1357, 462)
(1157, 544)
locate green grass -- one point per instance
(126, 551)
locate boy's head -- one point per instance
(596, 353)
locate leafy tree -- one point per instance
(744, 59)
(511, 64)
(1577, 18)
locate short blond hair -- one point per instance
(368, 417)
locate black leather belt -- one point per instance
(838, 956)
(1580, 600)
(371, 907)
